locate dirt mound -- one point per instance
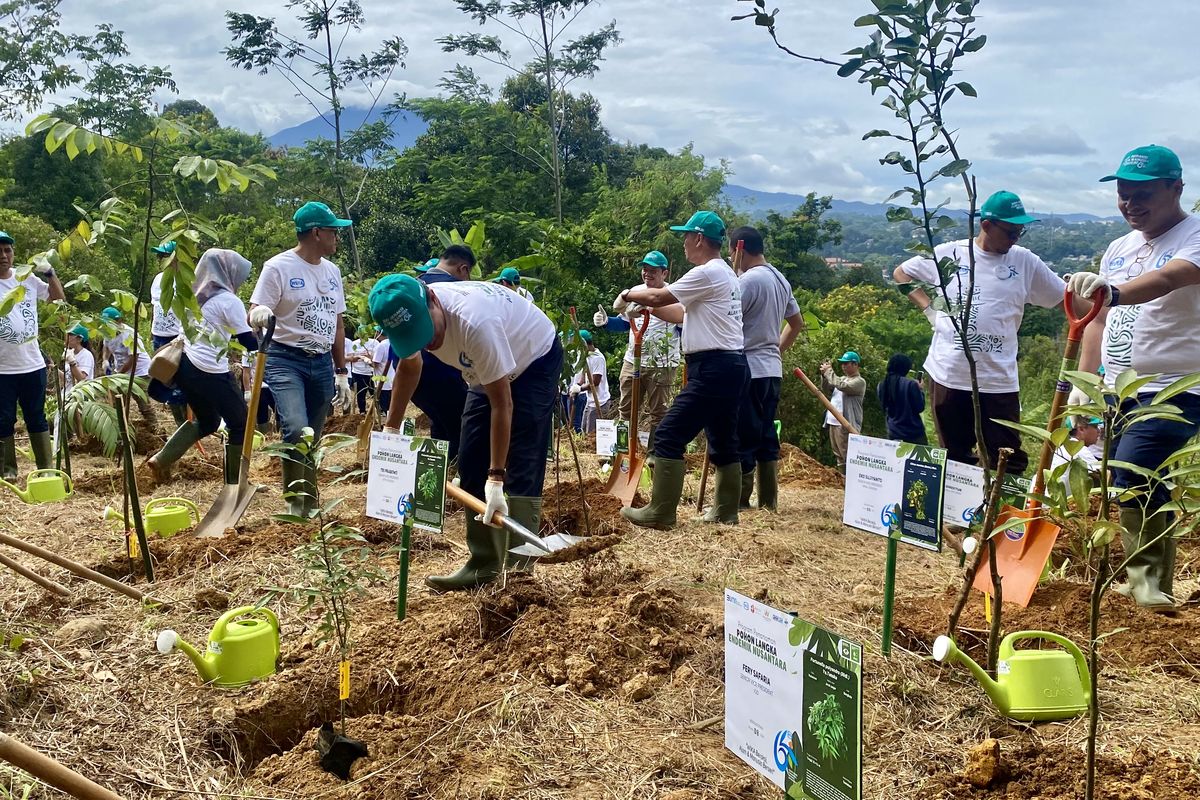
(562, 511)
(1140, 638)
(452, 657)
(798, 469)
(1029, 771)
(146, 441)
(342, 423)
(189, 469)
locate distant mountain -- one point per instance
(405, 128)
(757, 203)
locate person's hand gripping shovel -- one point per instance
(533, 545)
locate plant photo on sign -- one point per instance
(825, 722)
(427, 484)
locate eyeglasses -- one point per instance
(1139, 259)
(1013, 232)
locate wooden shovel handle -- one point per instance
(468, 500)
(51, 771)
(24, 572)
(845, 423)
(78, 569)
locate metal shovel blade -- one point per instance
(1021, 556)
(554, 542)
(227, 509)
(537, 546)
(625, 478)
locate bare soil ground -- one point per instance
(598, 677)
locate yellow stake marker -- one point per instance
(131, 543)
(987, 608)
(344, 680)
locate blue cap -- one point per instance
(165, 249)
(850, 357)
(111, 313)
(655, 259)
(706, 223)
(508, 275)
(317, 215)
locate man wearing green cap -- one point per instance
(1007, 277)
(510, 278)
(118, 349)
(595, 373)
(712, 342)
(510, 357)
(846, 394)
(306, 361)
(22, 366)
(1150, 284)
(660, 350)
(165, 326)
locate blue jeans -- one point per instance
(711, 402)
(29, 390)
(1148, 444)
(303, 388)
(573, 407)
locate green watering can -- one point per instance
(1030, 685)
(242, 648)
(44, 486)
(165, 516)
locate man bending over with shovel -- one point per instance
(303, 289)
(717, 375)
(510, 357)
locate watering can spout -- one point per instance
(18, 491)
(169, 640)
(944, 649)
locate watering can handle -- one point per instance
(58, 472)
(1006, 651)
(174, 501)
(218, 631)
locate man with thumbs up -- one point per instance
(660, 350)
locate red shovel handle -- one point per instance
(1075, 325)
(640, 330)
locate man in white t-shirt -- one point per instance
(360, 356)
(767, 307)
(119, 349)
(306, 360)
(510, 357)
(1150, 282)
(660, 351)
(164, 326)
(22, 366)
(384, 364)
(596, 374)
(1007, 278)
(710, 300)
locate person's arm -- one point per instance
(918, 297)
(651, 298)
(339, 345)
(918, 397)
(1175, 274)
(792, 327)
(672, 313)
(851, 387)
(55, 287)
(404, 384)
(499, 394)
(617, 325)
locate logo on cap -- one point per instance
(398, 318)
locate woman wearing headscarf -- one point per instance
(902, 401)
(203, 374)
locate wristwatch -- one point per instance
(1114, 296)
(339, 370)
(498, 474)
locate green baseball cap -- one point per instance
(586, 336)
(399, 305)
(1005, 206)
(1079, 419)
(165, 249)
(81, 332)
(111, 313)
(428, 265)
(1150, 163)
(6, 237)
(655, 259)
(317, 215)
(850, 357)
(703, 222)
(508, 274)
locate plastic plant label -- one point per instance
(131, 545)
(344, 680)
(882, 474)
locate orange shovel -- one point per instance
(1022, 552)
(627, 467)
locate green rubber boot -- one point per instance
(483, 565)
(1149, 583)
(659, 513)
(727, 486)
(294, 485)
(8, 458)
(768, 485)
(43, 449)
(180, 442)
(310, 487)
(528, 512)
(233, 463)
(178, 413)
(747, 490)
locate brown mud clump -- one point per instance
(562, 511)
(798, 469)
(1139, 639)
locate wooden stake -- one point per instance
(79, 569)
(24, 572)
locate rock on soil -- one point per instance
(983, 764)
(85, 631)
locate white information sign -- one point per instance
(964, 493)
(606, 437)
(874, 483)
(406, 479)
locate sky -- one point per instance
(1065, 88)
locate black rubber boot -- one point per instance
(727, 487)
(8, 458)
(233, 463)
(768, 485)
(747, 490)
(483, 565)
(43, 449)
(665, 491)
(178, 413)
(293, 485)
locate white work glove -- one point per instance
(246, 396)
(69, 358)
(1078, 397)
(930, 314)
(493, 495)
(1085, 284)
(620, 304)
(634, 311)
(600, 318)
(44, 271)
(575, 389)
(342, 397)
(259, 317)
(390, 429)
